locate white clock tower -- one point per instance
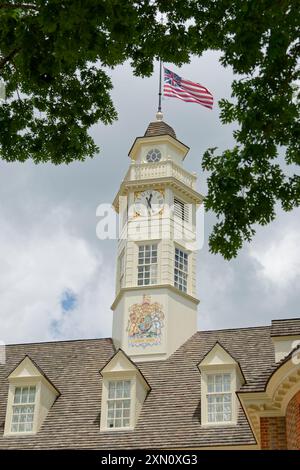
(155, 309)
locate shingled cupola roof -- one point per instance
(159, 128)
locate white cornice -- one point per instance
(158, 183)
(155, 286)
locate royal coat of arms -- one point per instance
(145, 323)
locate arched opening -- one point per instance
(293, 423)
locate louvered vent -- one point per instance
(181, 210)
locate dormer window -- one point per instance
(30, 398)
(118, 404)
(23, 409)
(124, 389)
(221, 378)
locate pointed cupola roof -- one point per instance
(156, 128)
(158, 131)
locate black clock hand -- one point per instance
(148, 199)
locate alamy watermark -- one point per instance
(151, 223)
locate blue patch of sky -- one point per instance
(68, 301)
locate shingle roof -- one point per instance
(159, 128)
(170, 416)
(290, 326)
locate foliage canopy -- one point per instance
(53, 60)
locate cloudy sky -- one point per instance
(57, 278)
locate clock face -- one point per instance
(149, 202)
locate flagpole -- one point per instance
(159, 114)
(159, 88)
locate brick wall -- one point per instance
(273, 433)
(293, 423)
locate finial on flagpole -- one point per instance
(159, 116)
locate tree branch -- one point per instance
(21, 6)
(6, 59)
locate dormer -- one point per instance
(221, 378)
(159, 143)
(30, 397)
(124, 390)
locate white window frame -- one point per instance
(21, 405)
(219, 394)
(210, 370)
(118, 400)
(30, 382)
(145, 268)
(114, 377)
(182, 274)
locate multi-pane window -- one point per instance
(181, 210)
(23, 409)
(219, 398)
(147, 265)
(181, 270)
(118, 404)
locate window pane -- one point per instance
(126, 389)
(32, 395)
(119, 389)
(17, 398)
(126, 403)
(28, 427)
(118, 410)
(210, 383)
(227, 382)
(219, 407)
(180, 269)
(147, 265)
(219, 383)
(22, 418)
(111, 390)
(24, 395)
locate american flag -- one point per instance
(186, 90)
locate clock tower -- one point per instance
(155, 309)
